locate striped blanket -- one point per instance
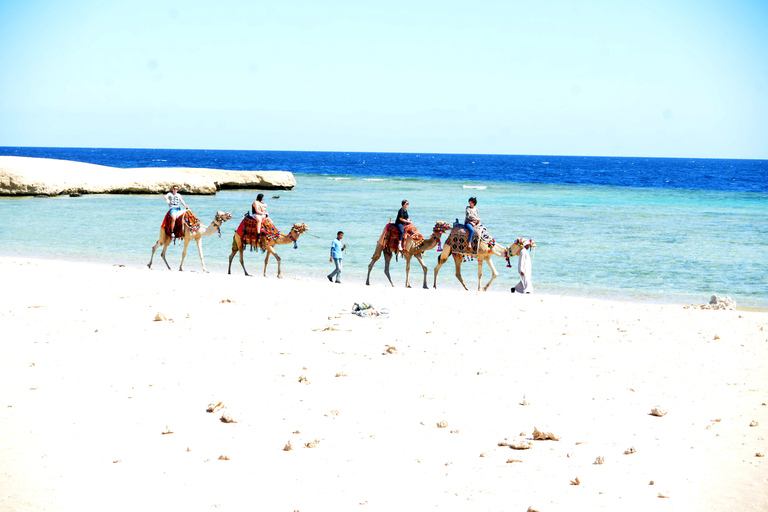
(249, 236)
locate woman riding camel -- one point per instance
(174, 200)
(471, 219)
(259, 212)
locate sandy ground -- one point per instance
(104, 408)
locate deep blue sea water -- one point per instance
(659, 229)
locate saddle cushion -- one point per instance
(389, 238)
(188, 218)
(248, 234)
(459, 238)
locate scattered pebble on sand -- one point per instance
(599, 460)
(442, 424)
(630, 450)
(223, 457)
(576, 481)
(658, 411)
(227, 417)
(288, 446)
(754, 424)
(544, 436)
(215, 406)
(160, 317)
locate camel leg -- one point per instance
(162, 253)
(271, 250)
(441, 259)
(199, 241)
(420, 259)
(387, 259)
(407, 269)
(157, 244)
(374, 259)
(479, 274)
(495, 274)
(457, 259)
(184, 253)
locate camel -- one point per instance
(484, 252)
(187, 234)
(388, 245)
(267, 245)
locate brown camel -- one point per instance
(165, 239)
(266, 245)
(484, 253)
(388, 245)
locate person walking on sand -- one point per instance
(174, 200)
(259, 212)
(401, 222)
(336, 249)
(524, 269)
(471, 219)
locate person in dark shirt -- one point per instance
(401, 222)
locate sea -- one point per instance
(662, 230)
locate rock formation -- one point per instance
(25, 176)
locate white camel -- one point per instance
(165, 240)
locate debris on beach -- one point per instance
(754, 424)
(390, 350)
(510, 461)
(718, 303)
(342, 374)
(442, 424)
(160, 317)
(576, 481)
(223, 457)
(525, 402)
(166, 431)
(304, 379)
(663, 494)
(312, 444)
(227, 417)
(520, 444)
(366, 310)
(544, 436)
(215, 406)
(759, 454)
(288, 446)
(630, 450)
(599, 460)
(658, 411)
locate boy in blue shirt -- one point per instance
(336, 248)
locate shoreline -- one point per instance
(101, 399)
(236, 271)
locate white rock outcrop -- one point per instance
(25, 176)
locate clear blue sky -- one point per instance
(599, 77)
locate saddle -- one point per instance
(188, 219)
(249, 236)
(459, 238)
(389, 237)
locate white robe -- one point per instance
(524, 269)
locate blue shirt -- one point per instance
(336, 247)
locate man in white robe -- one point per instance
(524, 269)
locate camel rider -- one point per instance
(259, 212)
(401, 222)
(174, 200)
(471, 219)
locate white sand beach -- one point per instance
(103, 407)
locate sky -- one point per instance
(667, 78)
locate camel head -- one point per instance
(300, 228)
(440, 228)
(518, 245)
(222, 217)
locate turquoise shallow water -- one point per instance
(669, 245)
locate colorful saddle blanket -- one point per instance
(389, 237)
(248, 234)
(188, 219)
(459, 238)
